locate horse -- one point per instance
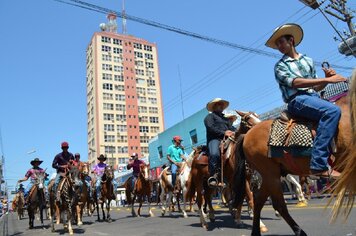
(82, 192)
(18, 204)
(107, 193)
(67, 198)
(255, 151)
(36, 199)
(142, 188)
(289, 179)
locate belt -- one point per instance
(301, 92)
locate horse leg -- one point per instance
(108, 211)
(58, 214)
(169, 203)
(163, 208)
(208, 201)
(140, 199)
(97, 209)
(149, 206)
(103, 211)
(301, 200)
(184, 191)
(133, 213)
(260, 199)
(280, 205)
(69, 220)
(29, 210)
(78, 209)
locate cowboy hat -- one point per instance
(102, 157)
(211, 104)
(231, 117)
(287, 29)
(36, 160)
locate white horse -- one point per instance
(167, 188)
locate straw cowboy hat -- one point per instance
(36, 160)
(102, 157)
(287, 29)
(211, 104)
(231, 117)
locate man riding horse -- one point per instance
(134, 163)
(217, 127)
(87, 181)
(60, 163)
(298, 82)
(32, 174)
(175, 155)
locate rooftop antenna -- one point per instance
(124, 30)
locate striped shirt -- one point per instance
(287, 69)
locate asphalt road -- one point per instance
(313, 219)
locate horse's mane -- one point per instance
(344, 189)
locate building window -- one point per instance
(109, 127)
(120, 88)
(193, 136)
(121, 118)
(122, 149)
(107, 76)
(117, 59)
(144, 139)
(120, 97)
(141, 90)
(117, 41)
(149, 56)
(107, 86)
(108, 106)
(154, 129)
(138, 54)
(141, 99)
(137, 45)
(106, 67)
(160, 152)
(108, 116)
(110, 149)
(150, 73)
(105, 39)
(143, 129)
(139, 72)
(147, 48)
(144, 150)
(119, 78)
(152, 91)
(121, 128)
(109, 138)
(122, 139)
(105, 48)
(149, 65)
(153, 110)
(152, 100)
(151, 82)
(117, 50)
(106, 57)
(107, 96)
(118, 68)
(153, 119)
(123, 161)
(143, 119)
(138, 63)
(142, 109)
(120, 107)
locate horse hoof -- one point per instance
(185, 215)
(205, 226)
(109, 220)
(263, 229)
(302, 204)
(80, 223)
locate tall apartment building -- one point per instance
(124, 104)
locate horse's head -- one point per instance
(84, 168)
(248, 120)
(74, 176)
(109, 172)
(40, 179)
(144, 171)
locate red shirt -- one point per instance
(136, 166)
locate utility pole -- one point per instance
(181, 92)
(339, 10)
(124, 30)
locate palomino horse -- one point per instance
(82, 192)
(254, 149)
(167, 188)
(65, 189)
(107, 193)
(18, 203)
(36, 199)
(142, 188)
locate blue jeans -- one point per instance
(56, 182)
(98, 186)
(174, 169)
(214, 156)
(311, 107)
(133, 181)
(28, 188)
(87, 183)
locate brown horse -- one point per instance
(107, 193)
(36, 199)
(254, 149)
(197, 183)
(142, 188)
(82, 192)
(18, 204)
(67, 201)
(344, 189)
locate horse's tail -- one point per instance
(344, 188)
(239, 184)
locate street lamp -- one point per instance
(311, 3)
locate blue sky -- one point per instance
(42, 64)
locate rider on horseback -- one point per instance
(134, 163)
(60, 163)
(296, 76)
(87, 181)
(175, 155)
(217, 127)
(32, 174)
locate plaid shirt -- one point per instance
(287, 69)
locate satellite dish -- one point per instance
(103, 26)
